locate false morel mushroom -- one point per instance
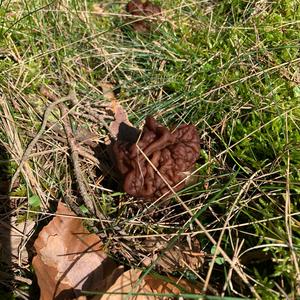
(160, 158)
(141, 8)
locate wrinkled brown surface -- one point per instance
(70, 259)
(173, 154)
(145, 9)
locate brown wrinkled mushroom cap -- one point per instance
(173, 154)
(142, 8)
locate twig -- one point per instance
(91, 113)
(92, 116)
(31, 145)
(73, 206)
(81, 151)
(73, 146)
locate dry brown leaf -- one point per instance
(121, 128)
(118, 111)
(129, 282)
(70, 259)
(178, 257)
(97, 9)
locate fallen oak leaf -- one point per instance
(120, 114)
(69, 258)
(124, 285)
(171, 285)
(131, 285)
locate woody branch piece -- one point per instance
(73, 146)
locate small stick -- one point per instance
(31, 145)
(81, 151)
(73, 146)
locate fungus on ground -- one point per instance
(160, 158)
(140, 8)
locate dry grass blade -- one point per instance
(288, 221)
(243, 191)
(16, 150)
(232, 263)
(31, 145)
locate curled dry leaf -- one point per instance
(70, 259)
(130, 282)
(119, 113)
